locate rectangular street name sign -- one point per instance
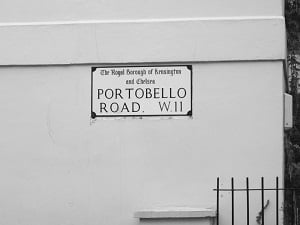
(141, 91)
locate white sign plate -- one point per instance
(141, 91)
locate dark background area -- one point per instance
(292, 137)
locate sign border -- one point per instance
(189, 113)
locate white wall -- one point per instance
(58, 167)
(70, 10)
(173, 40)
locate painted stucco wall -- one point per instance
(59, 167)
(68, 10)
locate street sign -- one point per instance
(141, 91)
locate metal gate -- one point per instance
(260, 219)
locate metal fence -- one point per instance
(247, 190)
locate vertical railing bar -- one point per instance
(262, 202)
(297, 216)
(294, 206)
(232, 201)
(247, 189)
(218, 187)
(277, 217)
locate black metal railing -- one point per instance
(247, 190)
